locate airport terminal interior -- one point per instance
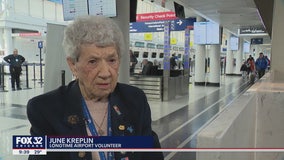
(204, 102)
(177, 122)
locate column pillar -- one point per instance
(277, 55)
(2, 42)
(1, 6)
(229, 57)
(239, 57)
(8, 43)
(10, 8)
(122, 19)
(199, 76)
(214, 76)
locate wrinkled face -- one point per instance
(96, 70)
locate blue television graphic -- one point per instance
(40, 145)
(29, 145)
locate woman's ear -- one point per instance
(71, 63)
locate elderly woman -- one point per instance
(94, 104)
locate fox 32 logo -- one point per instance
(29, 142)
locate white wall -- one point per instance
(29, 15)
(36, 8)
(55, 58)
(39, 9)
(21, 7)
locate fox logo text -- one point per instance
(28, 142)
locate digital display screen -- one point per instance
(200, 33)
(206, 33)
(234, 43)
(246, 47)
(75, 8)
(212, 33)
(179, 10)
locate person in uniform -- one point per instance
(15, 61)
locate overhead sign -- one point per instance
(158, 26)
(155, 16)
(252, 30)
(256, 41)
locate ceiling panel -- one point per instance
(230, 14)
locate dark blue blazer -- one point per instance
(59, 112)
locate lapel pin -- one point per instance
(130, 129)
(121, 127)
(117, 110)
(73, 119)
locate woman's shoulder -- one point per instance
(53, 96)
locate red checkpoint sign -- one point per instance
(155, 16)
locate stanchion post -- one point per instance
(34, 71)
(40, 63)
(40, 46)
(27, 76)
(2, 77)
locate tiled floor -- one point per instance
(177, 122)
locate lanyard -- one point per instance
(93, 129)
